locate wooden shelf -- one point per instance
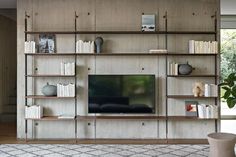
(153, 117)
(47, 97)
(120, 54)
(190, 54)
(46, 75)
(192, 76)
(50, 118)
(50, 32)
(147, 117)
(188, 118)
(120, 32)
(50, 54)
(188, 97)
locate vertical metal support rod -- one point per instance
(166, 58)
(76, 16)
(26, 83)
(216, 74)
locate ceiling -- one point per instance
(227, 6)
(7, 4)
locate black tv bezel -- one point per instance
(154, 109)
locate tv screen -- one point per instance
(121, 94)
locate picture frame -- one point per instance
(47, 43)
(148, 23)
(191, 108)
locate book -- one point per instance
(66, 116)
(47, 43)
(158, 51)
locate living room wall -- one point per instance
(51, 15)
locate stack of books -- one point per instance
(34, 112)
(64, 90)
(173, 68)
(203, 47)
(211, 90)
(207, 111)
(67, 68)
(30, 47)
(85, 46)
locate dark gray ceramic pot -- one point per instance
(185, 69)
(49, 90)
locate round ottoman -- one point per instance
(221, 144)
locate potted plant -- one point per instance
(229, 85)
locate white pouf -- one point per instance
(221, 144)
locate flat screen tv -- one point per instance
(128, 94)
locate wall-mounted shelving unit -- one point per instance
(166, 118)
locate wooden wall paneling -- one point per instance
(85, 66)
(180, 86)
(179, 43)
(86, 129)
(176, 107)
(22, 7)
(190, 129)
(55, 130)
(112, 15)
(86, 15)
(117, 65)
(52, 15)
(123, 14)
(207, 68)
(180, 11)
(161, 110)
(126, 129)
(129, 43)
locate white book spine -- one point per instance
(67, 90)
(77, 47)
(62, 68)
(200, 111)
(92, 47)
(207, 90)
(63, 91)
(81, 46)
(176, 68)
(208, 111)
(191, 46)
(73, 68)
(33, 47)
(26, 112)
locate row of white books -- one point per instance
(34, 112)
(207, 111)
(30, 47)
(173, 68)
(85, 46)
(64, 90)
(211, 90)
(203, 46)
(67, 68)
